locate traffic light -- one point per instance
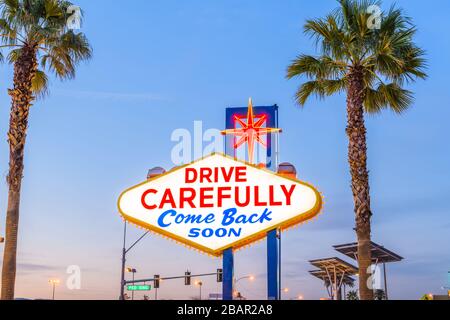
(219, 275)
(156, 281)
(187, 278)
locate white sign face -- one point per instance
(219, 203)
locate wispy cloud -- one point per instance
(32, 267)
(28, 267)
(114, 96)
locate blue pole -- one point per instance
(273, 272)
(228, 275)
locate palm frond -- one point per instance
(329, 37)
(40, 84)
(320, 89)
(320, 68)
(65, 52)
(14, 54)
(388, 96)
(53, 9)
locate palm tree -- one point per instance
(371, 65)
(380, 295)
(352, 295)
(38, 40)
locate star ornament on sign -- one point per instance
(250, 132)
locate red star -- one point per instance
(251, 131)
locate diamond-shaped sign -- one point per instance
(218, 203)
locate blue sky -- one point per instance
(161, 65)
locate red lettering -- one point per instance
(168, 199)
(205, 175)
(204, 197)
(216, 175)
(187, 198)
(227, 174)
(247, 197)
(221, 196)
(241, 174)
(259, 203)
(288, 193)
(272, 197)
(190, 175)
(144, 199)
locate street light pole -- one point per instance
(124, 252)
(279, 262)
(132, 292)
(200, 284)
(385, 282)
(286, 291)
(53, 282)
(250, 277)
(133, 272)
(153, 173)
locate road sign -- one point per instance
(139, 288)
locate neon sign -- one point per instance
(218, 203)
(250, 132)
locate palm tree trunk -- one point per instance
(22, 96)
(357, 157)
